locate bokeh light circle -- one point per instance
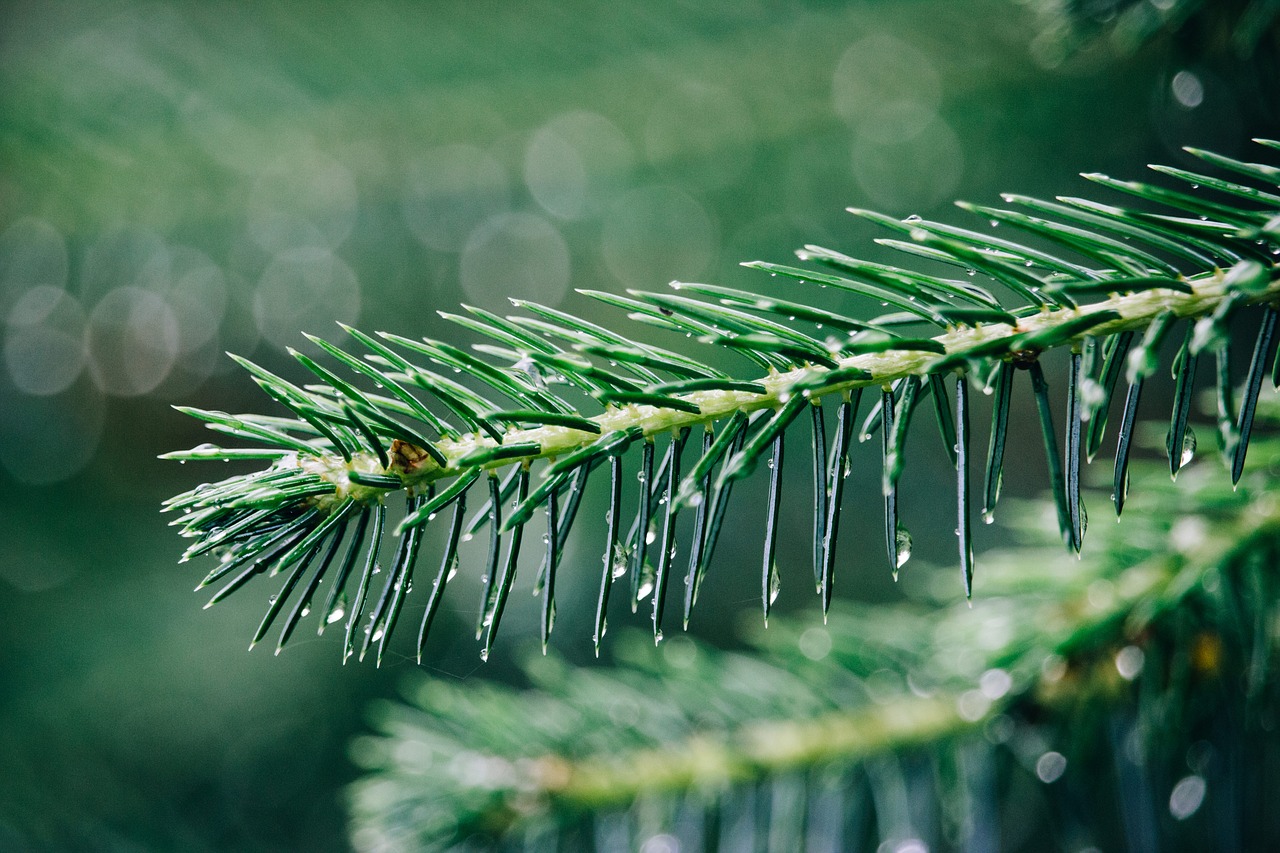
(196, 290)
(517, 255)
(654, 234)
(304, 289)
(879, 73)
(44, 341)
(909, 174)
(131, 341)
(572, 162)
(304, 199)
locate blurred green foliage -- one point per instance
(180, 178)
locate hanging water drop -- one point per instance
(306, 611)
(1188, 446)
(775, 585)
(619, 567)
(336, 614)
(903, 539)
(453, 569)
(646, 580)
(988, 516)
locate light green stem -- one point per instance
(1135, 311)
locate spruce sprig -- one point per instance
(428, 418)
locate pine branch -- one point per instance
(439, 418)
(692, 731)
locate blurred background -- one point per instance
(179, 179)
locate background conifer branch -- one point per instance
(688, 738)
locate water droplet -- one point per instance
(775, 585)
(903, 539)
(696, 499)
(467, 537)
(988, 516)
(651, 534)
(377, 569)
(306, 611)
(453, 570)
(272, 599)
(336, 614)
(915, 217)
(657, 636)
(484, 655)
(1188, 446)
(995, 223)
(378, 632)
(620, 555)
